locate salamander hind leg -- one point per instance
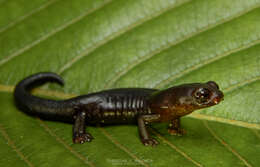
(79, 129)
(144, 136)
(175, 129)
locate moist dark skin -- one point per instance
(140, 106)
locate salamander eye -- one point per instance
(202, 95)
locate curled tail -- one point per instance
(44, 108)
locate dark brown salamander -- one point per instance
(118, 106)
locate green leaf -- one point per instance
(101, 44)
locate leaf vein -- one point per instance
(256, 133)
(246, 82)
(46, 36)
(204, 63)
(66, 146)
(117, 34)
(27, 15)
(12, 145)
(225, 144)
(150, 55)
(121, 147)
(176, 149)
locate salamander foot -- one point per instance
(82, 138)
(176, 132)
(149, 142)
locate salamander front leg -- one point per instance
(142, 121)
(79, 129)
(175, 127)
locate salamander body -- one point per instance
(118, 106)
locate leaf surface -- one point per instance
(102, 44)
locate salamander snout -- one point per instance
(218, 97)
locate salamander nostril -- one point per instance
(221, 95)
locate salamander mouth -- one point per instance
(217, 100)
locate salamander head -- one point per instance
(189, 97)
(183, 99)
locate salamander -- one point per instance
(139, 106)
